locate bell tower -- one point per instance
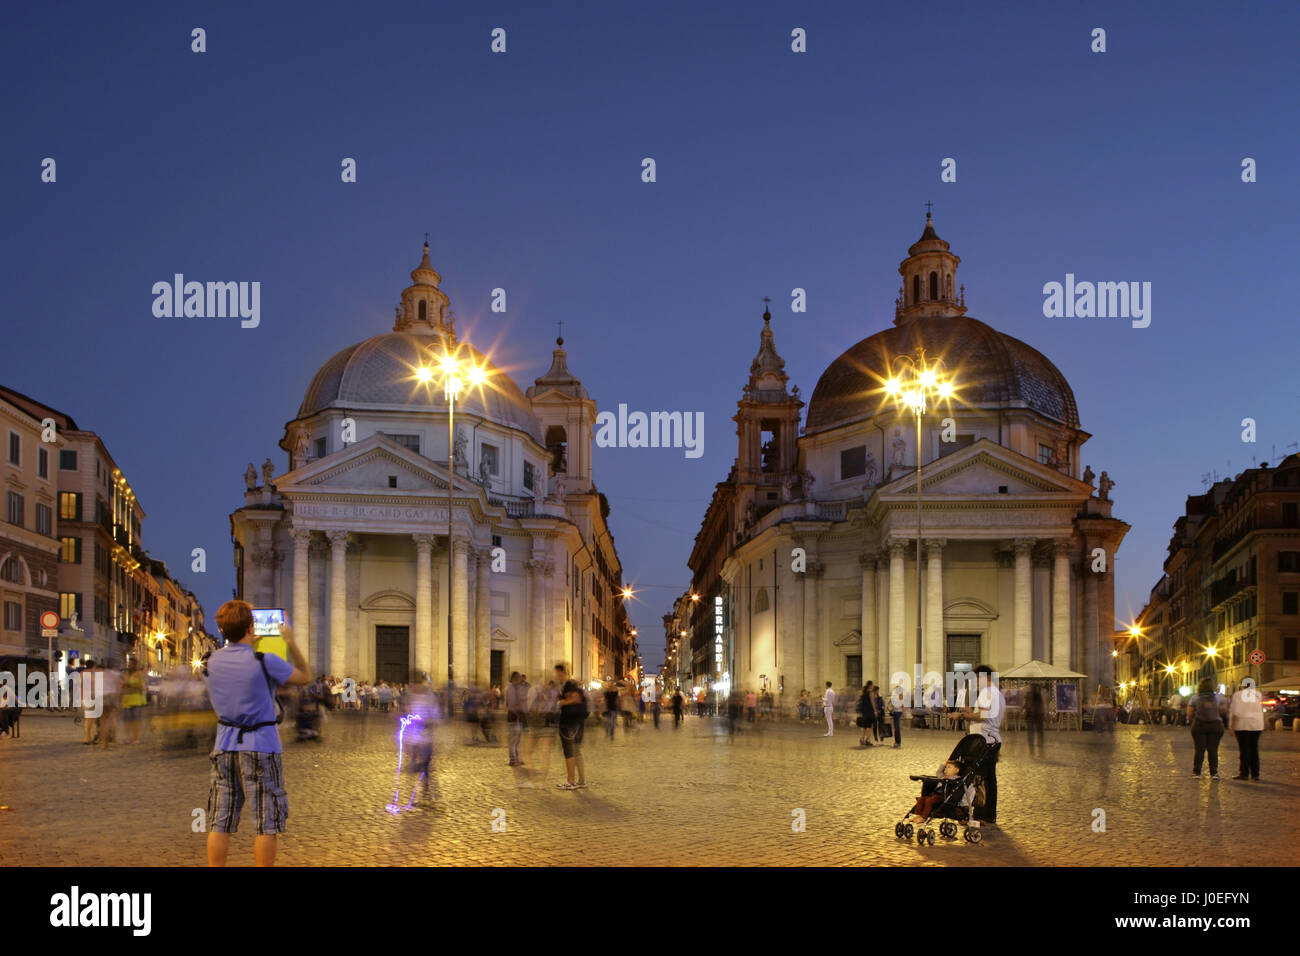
(929, 279)
(767, 423)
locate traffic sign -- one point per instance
(1257, 657)
(49, 621)
(49, 632)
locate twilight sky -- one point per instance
(775, 170)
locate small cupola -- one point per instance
(929, 279)
(425, 308)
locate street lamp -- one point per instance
(455, 375)
(915, 381)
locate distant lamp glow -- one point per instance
(1210, 651)
(1114, 653)
(892, 386)
(627, 593)
(424, 375)
(1169, 669)
(695, 597)
(1135, 631)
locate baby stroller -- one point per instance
(949, 793)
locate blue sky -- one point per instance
(775, 170)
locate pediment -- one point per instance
(501, 634)
(368, 464)
(852, 639)
(389, 600)
(980, 470)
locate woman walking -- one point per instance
(1207, 727)
(1246, 721)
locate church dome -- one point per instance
(379, 372)
(992, 370)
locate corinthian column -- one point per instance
(897, 611)
(460, 612)
(933, 659)
(812, 663)
(1061, 603)
(301, 622)
(338, 600)
(533, 633)
(1023, 603)
(483, 620)
(870, 652)
(424, 649)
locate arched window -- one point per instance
(916, 289)
(557, 443)
(760, 601)
(424, 310)
(934, 286)
(12, 571)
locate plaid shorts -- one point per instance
(239, 775)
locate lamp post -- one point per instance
(913, 382)
(455, 375)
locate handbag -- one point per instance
(887, 731)
(862, 721)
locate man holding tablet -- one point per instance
(246, 754)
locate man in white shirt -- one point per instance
(986, 720)
(828, 701)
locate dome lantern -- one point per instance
(425, 309)
(929, 277)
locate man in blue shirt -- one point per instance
(246, 755)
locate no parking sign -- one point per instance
(1257, 657)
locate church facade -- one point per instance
(382, 522)
(806, 567)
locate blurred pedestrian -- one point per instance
(878, 714)
(133, 702)
(1207, 727)
(112, 702)
(655, 708)
(573, 717)
(751, 706)
(92, 694)
(679, 706)
(1246, 721)
(1035, 717)
(828, 704)
(611, 711)
(245, 756)
(516, 713)
(421, 706)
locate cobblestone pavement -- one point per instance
(685, 797)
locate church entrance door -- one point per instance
(392, 653)
(963, 652)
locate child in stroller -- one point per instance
(948, 795)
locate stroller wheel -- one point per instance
(908, 830)
(930, 837)
(898, 830)
(948, 829)
(975, 836)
